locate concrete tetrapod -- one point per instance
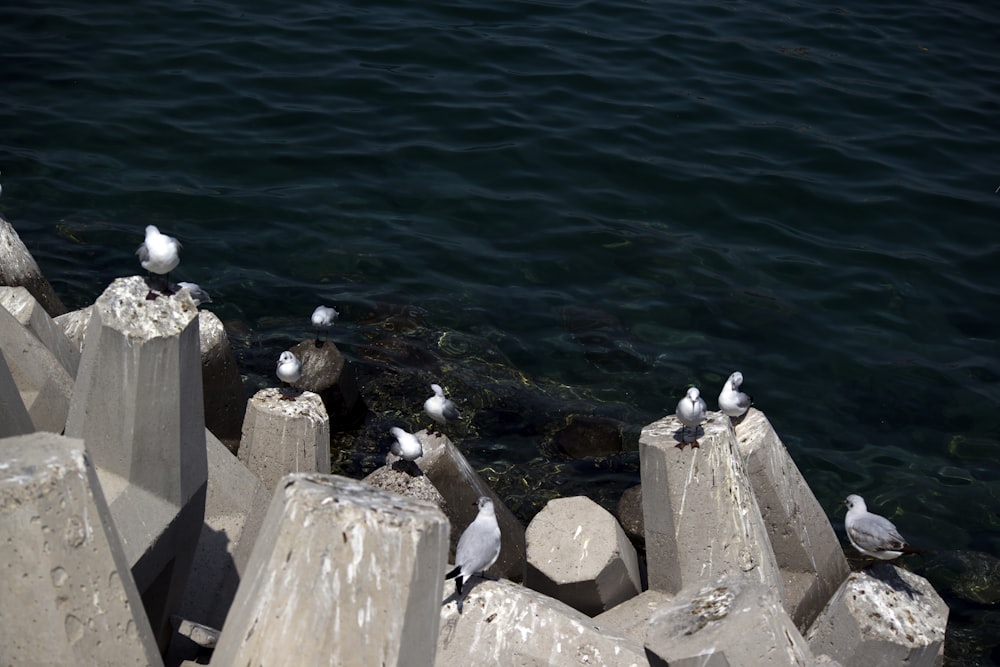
(341, 574)
(577, 553)
(14, 417)
(137, 403)
(18, 268)
(68, 596)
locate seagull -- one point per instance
(406, 446)
(159, 254)
(691, 411)
(871, 534)
(439, 408)
(323, 317)
(198, 295)
(733, 402)
(289, 371)
(478, 547)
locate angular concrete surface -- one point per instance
(18, 268)
(14, 417)
(222, 387)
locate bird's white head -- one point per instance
(485, 503)
(856, 503)
(436, 388)
(151, 229)
(693, 394)
(397, 432)
(735, 380)
(285, 357)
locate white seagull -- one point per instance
(289, 371)
(198, 295)
(691, 411)
(323, 317)
(406, 445)
(872, 534)
(478, 547)
(159, 254)
(733, 402)
(439, 408)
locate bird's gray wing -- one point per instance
(143, 253)
(450, 411)
(476, 547)
(876, 533)
(743, 400)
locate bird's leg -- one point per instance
(166, 291)
(285, 391)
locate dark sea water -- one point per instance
(565, 208)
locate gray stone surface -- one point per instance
(399, 479)
(461, 487)
(805, 545)
(578, 554)
(225, 397)
(342, 574)
(326, 372)
(631, 618)
(284, 436)
(233, 491)
(505, 624)
(700, 514)
(14, 417)
(734, 621)
(74, 325)
(18, 268)
(68, 597)
(44, 383)
(29, 312)
(882, 616)
(137, 403)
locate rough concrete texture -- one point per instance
(805, 545)
(232, 492)
(399, 479)
(327, 373)
(342, 574)
(505, 624)
(44, 383)
(29, 312)
(700, 514)
(461, 487)
(734, 621)
(631, 618)
(225, 398)
(882, 616)
(14, 417)
(578, 554)
(74, 325)
(138, 405)
(283, 436)
(68, 597)
(18, 268)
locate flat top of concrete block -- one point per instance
(334, 489)
(36, 457)
(897, 604)
(124, 306)
(305, 404)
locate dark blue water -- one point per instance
(581, 206)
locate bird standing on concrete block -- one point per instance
(289, 371)
(872, 534)
(733, 402)
(159, 254)
(439, 408)
(691, 412)
(406, 445)
(478, 547)
(323, 318)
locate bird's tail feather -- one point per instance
(453, 573)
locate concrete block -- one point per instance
(74, 325)
(68, 596)
(233, 491)
(44, 383)
(283, 436)
(14, 417)
(29, 312)
(734, 621)
(631, 618)
(805, 545)
(461, 487)
(882, 616)
(225, 397)
(629, 514)
(578, 554)
(326, 372)
(700, 514)
(505, 624)
(18, 268)
(342, 574)
(137, 404)
(398, 479)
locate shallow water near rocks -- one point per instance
(565, 208)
